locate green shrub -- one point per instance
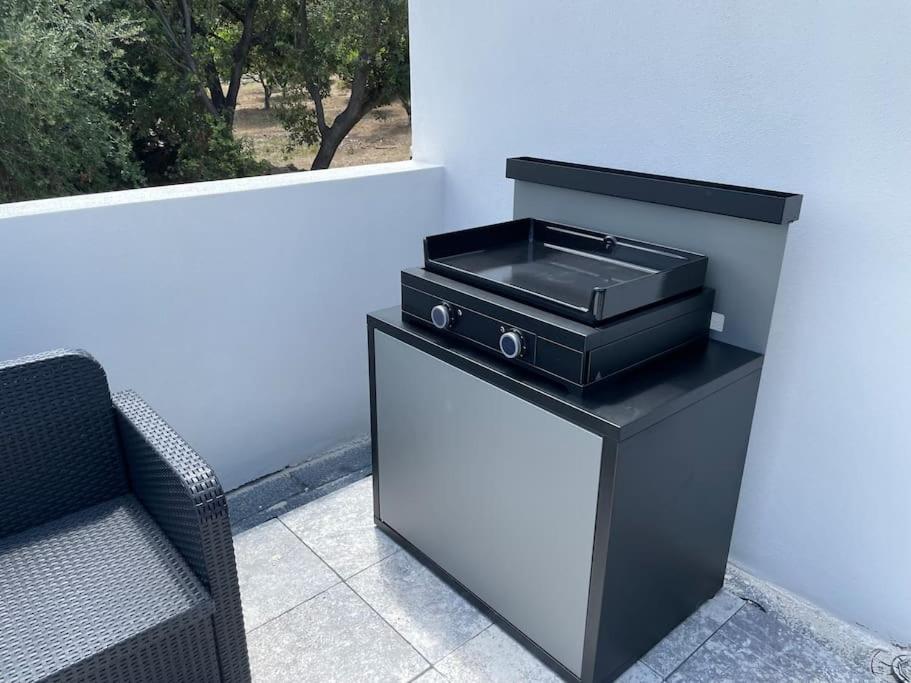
(59, 64)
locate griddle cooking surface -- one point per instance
(555, 273)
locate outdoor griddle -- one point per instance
(582, 274)
(561, 405)
(575, 305)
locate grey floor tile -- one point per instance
(851, 643)
(340, 529)
(494, 657)
(431, 616)
(721, 661)
(276, 572)
(764, 635)
(686, 638)
(333, 637)
(430, 676)
(639, 673)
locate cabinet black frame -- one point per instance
(637, 593)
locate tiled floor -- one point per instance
(327, 597)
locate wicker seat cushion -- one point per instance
(86, 583)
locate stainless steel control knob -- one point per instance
(511, 344)
(441, 316)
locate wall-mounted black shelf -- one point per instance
(767, 206)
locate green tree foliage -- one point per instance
(270, 62)
(300, 46)
(59, 68)
(87, 106)
(190, 75)
(210, 43)
(175, 139)
(109, 94)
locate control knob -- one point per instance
(441, 316)
(511, 344)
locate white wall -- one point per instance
(237, 308)
(808, 97)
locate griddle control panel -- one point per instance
(575, 356)
(496, 335)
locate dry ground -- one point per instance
(383, 135)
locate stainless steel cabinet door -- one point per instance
(498, 492)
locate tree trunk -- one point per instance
(359, 103)
(216, 94)
(332, 137)
(267, 96)
(328, 146)
(239, 56)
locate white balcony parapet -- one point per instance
(238, 307)
(215, 187)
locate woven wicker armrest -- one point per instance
(181, 492)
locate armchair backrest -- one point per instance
(58, 444)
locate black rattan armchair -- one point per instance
(116, 561)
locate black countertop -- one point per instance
(618, 408)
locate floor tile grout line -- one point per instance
(425, 671)
(454, 650)
(496, 622)
(291, 609)
(307, 546)
(328, 566)
(412, 680)
(355, 591)
(397, 550)
(657, 673)
(385, 621)
(432, 664)
(342, 581)
(326, 562)
(361, 597)
(699, 647)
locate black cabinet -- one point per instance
(592, 525)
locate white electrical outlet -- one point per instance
(717, 322)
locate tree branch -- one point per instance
(165, 23)
(187, 23)
(261, 38)
(183, 48)
(317, 98)
(188, 34)
(216, 92)
(233, 11)
(239, 55)
(302, 45)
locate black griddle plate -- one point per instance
(583, 274)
